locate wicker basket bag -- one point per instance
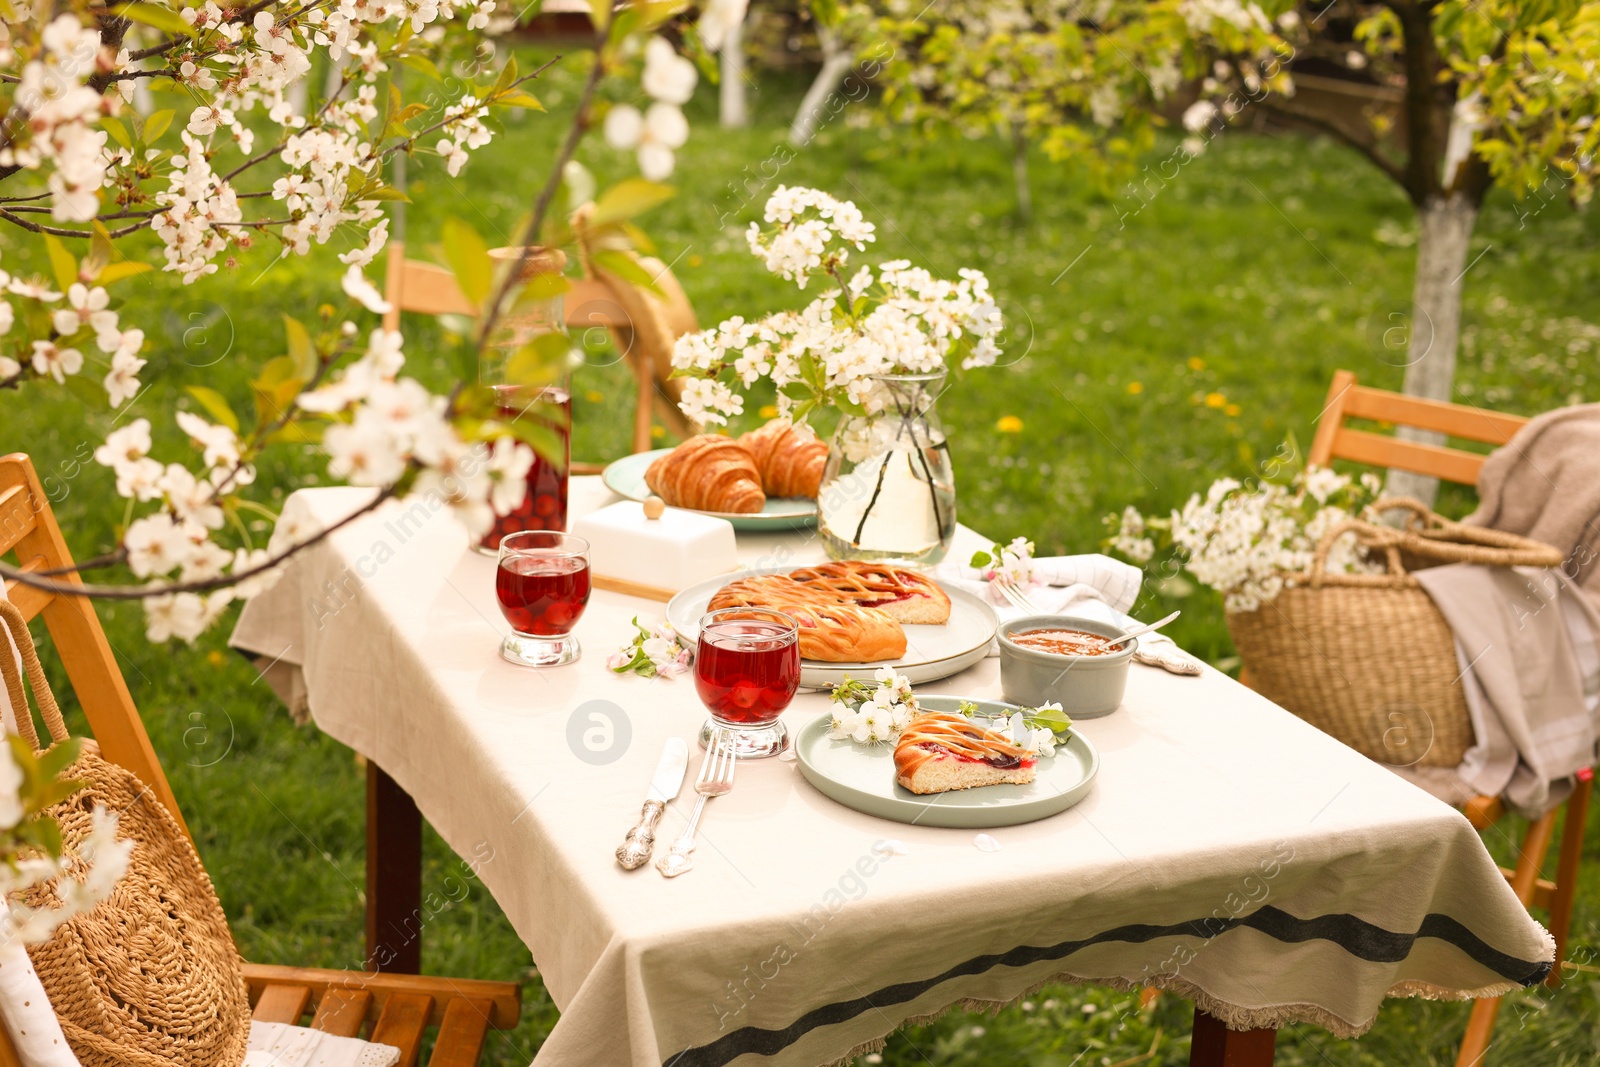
(1368, 658)
(150, 976)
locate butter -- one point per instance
(672, 552)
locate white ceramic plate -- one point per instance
(862, 777)
(625, 477)
(932, 652)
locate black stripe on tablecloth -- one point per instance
(1356, 936)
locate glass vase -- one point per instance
(888, 491)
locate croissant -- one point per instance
(708, 473)
(789, 458)
(940, 751)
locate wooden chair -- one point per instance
(389, 1008)
(643, 326)
(1335, 440)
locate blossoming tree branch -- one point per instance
(259, 166)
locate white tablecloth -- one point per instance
(1228, 851)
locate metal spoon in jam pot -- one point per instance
(1141, 631)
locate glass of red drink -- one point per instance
(545, 506)
(542, 584)
(746, 670)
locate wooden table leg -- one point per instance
(1214, 1045)
(394, 876)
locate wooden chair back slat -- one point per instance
(343, 1012)
(466, 1024)
(78, 639)
(1347, 399)
(1453, 420)
(504, 996)
(404, 1017)
(282, 1004)
(1380, 450)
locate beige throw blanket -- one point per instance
(1526, 641)
(1545, 484)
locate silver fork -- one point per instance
(716, 778)
(1014, 594)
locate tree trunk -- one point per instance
(1442, 244)
(836, 63)
(1019, 174)
(735, 111)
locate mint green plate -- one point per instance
(625, 477)
(862, 777)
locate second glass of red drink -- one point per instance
(542, 583)
(746, 670)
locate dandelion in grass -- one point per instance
(1009, 424)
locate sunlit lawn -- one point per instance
(1153, 344)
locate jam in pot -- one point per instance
(1064, 642)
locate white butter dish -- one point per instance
(628, 548)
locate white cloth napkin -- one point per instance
(1091, 585)
(281, 1045)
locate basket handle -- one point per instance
(1369, 535)
(1420, 517)
(18, 626)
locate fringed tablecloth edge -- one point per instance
(1232, 1016)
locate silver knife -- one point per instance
(641, 841)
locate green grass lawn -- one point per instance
(1154, 345)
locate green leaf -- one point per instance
(62, 263)
(276, 388)
(1056, 721)
(468, 256)
(118, 132)
(380, 191)
(215, 404)
(100, 252)
(391, 114)
(627, 198)
(163, 19)
(543, 286)
(518, 98)
(537, 434)
(298, 433)
(980, 560)
(624, 266)
(115, 272)
(540, 362)
(300, 348)
(507, 78)
(156, 125)
(424, 65)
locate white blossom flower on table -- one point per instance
(872, 713)
(653, 652)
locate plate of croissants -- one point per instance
(945, 769)
(855, 616)
(766, 479)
